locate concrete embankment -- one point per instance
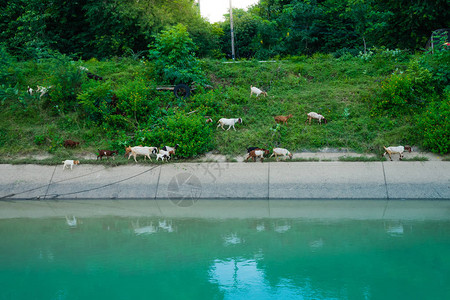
(282, 180)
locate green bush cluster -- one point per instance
(405, 92)
(6, 66)
(64, 83)
(173, 53)
(188, 130)
(434, 125)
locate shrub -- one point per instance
(65, 81)
(174, 57)
(136, 101)
(438, 64)
(404, 92)
(434, 125)
(96, 100)
(6, 66)
(189, 131)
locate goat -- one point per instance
(170, 150)
(30, 91)
(208, 119)
(163, 155)
(43, 90)
(318, 117)
(70, 163)
(139, 150)
(106, 153)
(396, 150)
(255, 90)
(257, 153)
(250, 149)
(70, 144)
(282, 119)
(281, 152)
(229, 122)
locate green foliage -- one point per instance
(96, 102)
(64, 83)
(6, 66)
(434, 125)
(405, 92)
(125, 109)
(188, 130)
(136, 100)
(437, 61)
(173, 53)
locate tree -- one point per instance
(173, 53)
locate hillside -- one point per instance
(342, 89)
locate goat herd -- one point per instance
(165, 153)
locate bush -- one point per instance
(174, 57)
(6, 66)
(65, 81)
(434, 125)
(404, 92)
(136, 100)
(189, 131)
(96, 101)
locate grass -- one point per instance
(338, 89)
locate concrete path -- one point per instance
(186, 182)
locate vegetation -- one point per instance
(361, 98)
(33, 29)
(357, 62)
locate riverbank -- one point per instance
(184, 183)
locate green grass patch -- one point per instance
(338, 89)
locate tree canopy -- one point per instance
(102, 29)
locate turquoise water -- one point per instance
(156, 257)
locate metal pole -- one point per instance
(232, 32)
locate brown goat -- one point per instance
(106, 153)
(70, 144)
(257, 153)
(282, 119)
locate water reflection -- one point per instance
(395, 230)
(72, 222)
(140, 230)
(281, 256)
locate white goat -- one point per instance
(396, 150)
(139, 150)
(163, 155)
(281, 152)
(169, 149)
(255, 90)
(43, 90)
(318, 117)
(229, 122)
